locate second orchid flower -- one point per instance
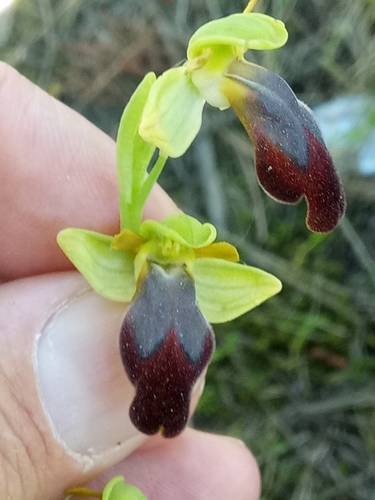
(292, 160)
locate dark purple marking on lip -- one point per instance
(290, 155)
(320, 185)
(165, 344)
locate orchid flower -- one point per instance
(291, 158)
(177, 278)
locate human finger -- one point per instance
(193, 466)
(57, 170)
(64, 393)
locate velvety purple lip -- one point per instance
(291, 158)
(165, 344)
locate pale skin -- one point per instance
(57, 170)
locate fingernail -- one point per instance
(83, 386)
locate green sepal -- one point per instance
(243, 31)
(110, 272)
(226, 290)
(172, 116)
(180, 228)
(117, 489)
(133, 153)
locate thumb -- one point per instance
(64, 393)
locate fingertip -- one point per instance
(247, 480)
(194, 466)
(5, 72)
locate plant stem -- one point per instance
(250, 6)
(145, 190)
(84, 492)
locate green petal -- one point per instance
(133, 153)
(128, 241)
(221, 250)
(173, 114)
(109, 272)
(117, 489)
(225, 290)
(181, 228)
(244, 31)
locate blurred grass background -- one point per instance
(295, 377)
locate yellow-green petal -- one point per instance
(117, 489)
(226, 290)
(180, 228)
(243, 31)
(220, 250)
(128, 241)
(110, 272)
(173, 114)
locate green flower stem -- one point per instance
(145, 190)
(133, 153)
(250, 6)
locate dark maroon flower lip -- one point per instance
(291, 157)
(165, 344)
